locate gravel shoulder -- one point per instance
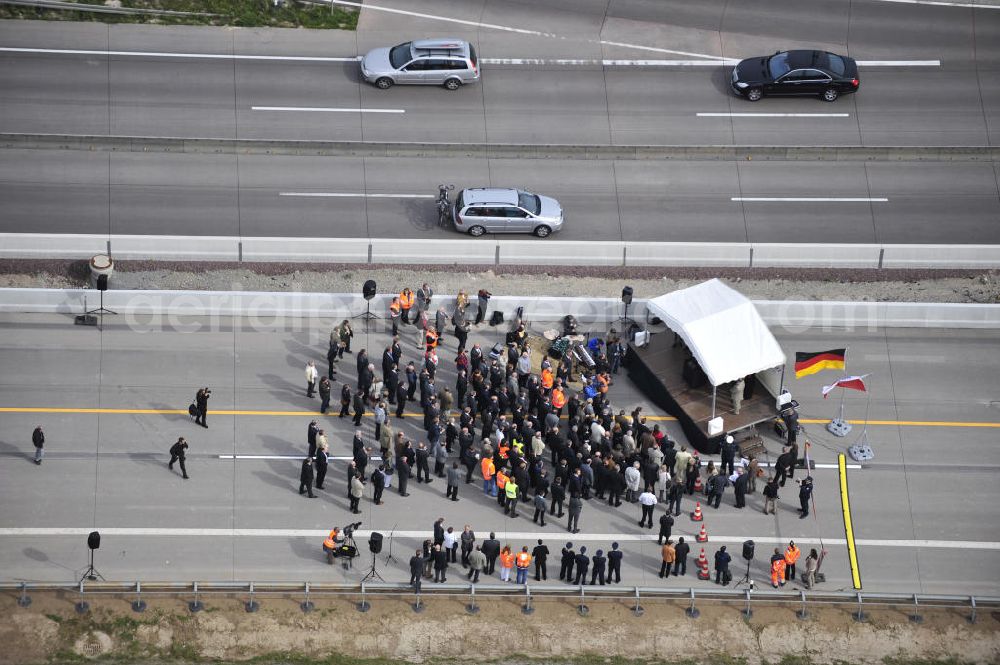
(952, 286)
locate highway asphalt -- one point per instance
(925, 510)
(78, 191)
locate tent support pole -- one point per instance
(714, 388)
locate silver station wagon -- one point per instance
(447, 62)
(503, 210)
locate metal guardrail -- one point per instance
(579, 595)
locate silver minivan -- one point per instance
(505, 210)
(447, 62)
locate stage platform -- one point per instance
(657, 369)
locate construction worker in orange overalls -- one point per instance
(406, 299)
(523, 561)
(777, 569)
(501, 484)
(489, 472)
(792, 553)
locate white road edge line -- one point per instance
(806, 199)
(323, 109)
(159, 54)
(944, 3)
(773, 115)
(711, 61)
(509, 535)
(348, 195)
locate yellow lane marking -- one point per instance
(845, 503)
(313, 414)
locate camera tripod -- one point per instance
(390, 558)
(91, 572)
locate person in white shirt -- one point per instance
(450, 544)
(648, 500)
(312, 376)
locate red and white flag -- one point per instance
(852, 382)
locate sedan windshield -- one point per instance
(529, 202)
(399, 55)
(778, 65)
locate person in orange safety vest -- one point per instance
(547, 378)
(506, 563)
(792, 554)
(406, 300)
(501, 484)
(523, 562)
(489, 472)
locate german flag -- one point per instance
(810, 363)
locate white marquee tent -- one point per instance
(722, 329)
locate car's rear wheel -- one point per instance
(452, 84)
(830, 95)
(383, 83)
(754, 94)
(477, 231)
(542, 231)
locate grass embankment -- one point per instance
(239, 13)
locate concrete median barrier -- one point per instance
(787, 255)
(433, 251)
(314, 250)
(688, 254)
(51, 246)
(176, 248)
(941, 256)
(561, 252)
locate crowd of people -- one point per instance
(538, 431)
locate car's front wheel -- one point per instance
(383, 83)
(477, 231)
(452, 84)
(830, 95)
(754, 94)
(542, 231)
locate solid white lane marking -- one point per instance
(944, 3)
(606, 63)
(899, 63)
(155, 54)
(708, 61)
(507, 535)
(773, 115)
(807, 199)
(323, 109)
(347, 195)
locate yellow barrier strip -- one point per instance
(845, 503)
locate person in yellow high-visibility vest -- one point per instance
(511, 491)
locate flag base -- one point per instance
(861, 452)
(839, 427)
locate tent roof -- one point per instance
(722, 328)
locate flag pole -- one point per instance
(861, 451)
(839, 426)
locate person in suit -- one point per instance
(681, 552)
(322, 462)
(491, 549)
(177, 454)
(357, 491)
(477, 563)
(440, 563)
(345, 401)
(454, 477)
(306, 478)
(666, 526)
(201, 404)
(540, 555)
(567, 560)
(38, 440)
(378, 484)
(582, 566)
(416, 570)
(600, 565)
(615, 564)
(324, 394)
(740, 487)
(403, 474)
(311, 437)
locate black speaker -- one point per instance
(368, 290)
(627, 295)
(375, 542)
(94, 540)
(102, 282)
(748, 550)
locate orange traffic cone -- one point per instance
(696, 515)
(698, 487)
(703, 536)
(703, 573)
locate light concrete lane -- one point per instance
(759, 201)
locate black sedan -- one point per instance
(820, 73)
